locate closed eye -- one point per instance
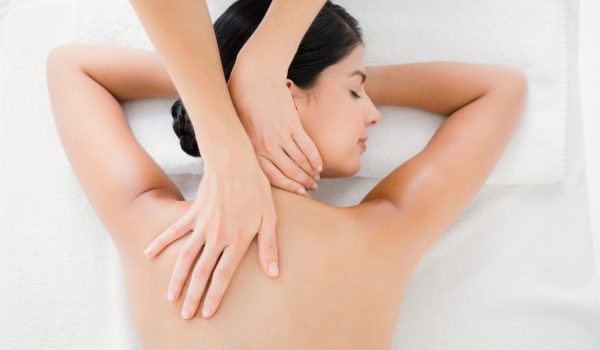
(354, 94)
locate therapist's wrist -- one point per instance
(230, 152)
(251, 61)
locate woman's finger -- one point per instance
(200, 276)
(309, 148)
(276, 177)
(171, 234)
(267, 245)
(291, 148)
(185, 260)
(290, 169)
(221, 277)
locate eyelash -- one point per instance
(354, 94)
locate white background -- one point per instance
(589, 72)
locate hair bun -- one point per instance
(182, 125)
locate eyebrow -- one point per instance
(359, 72)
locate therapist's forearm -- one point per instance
(280, 34)
(183, 35)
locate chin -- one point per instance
(346, 165)
(351, 168)
(355, 171)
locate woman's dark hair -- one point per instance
(330, 38)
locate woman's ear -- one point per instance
(295, 91)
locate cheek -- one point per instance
(335, 134)
(328, 128)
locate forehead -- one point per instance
(345, 67)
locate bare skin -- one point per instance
(343, 270)
(340, 288)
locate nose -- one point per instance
(373, 114)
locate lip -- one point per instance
(362, 145)
(363, 140)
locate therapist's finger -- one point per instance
(200, 275)
(290, 169)
(276, 177)
(267, 244)
(308, 147)
(221, 277)
(185, 260)
(171, 234)
(291, 148)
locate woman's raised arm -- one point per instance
(234, 199)
(483, 104)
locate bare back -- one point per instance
(338, 287)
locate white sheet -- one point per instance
(498, 279)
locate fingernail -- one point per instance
(319, 168)
(301, 190)
(149, 251)
(171, 296)
(315, 186)
(273, 270)
(186, 314)
(206, 312)
(317, 177)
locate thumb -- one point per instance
(267, 246)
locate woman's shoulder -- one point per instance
(151, 214)
(361, 225)
(364, 223)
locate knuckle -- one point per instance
(293, 131)
(269, 246)
(272, 178)
(306, 163)
(293, 187)
(277, 179)
(291, 170)
(264, 163)
(278, 182)
(201, 271)
(297, 130)
(283, 134)
(186, 254)
(222, 274)
(300, 174)
(237, 241)
(217, 237)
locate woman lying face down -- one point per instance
(343, 270)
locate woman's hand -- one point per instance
(233, 203)
(266, 109)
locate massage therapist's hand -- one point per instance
(233, 204)
(266, 109)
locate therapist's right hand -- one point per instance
(265, 106)
(233, 204)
